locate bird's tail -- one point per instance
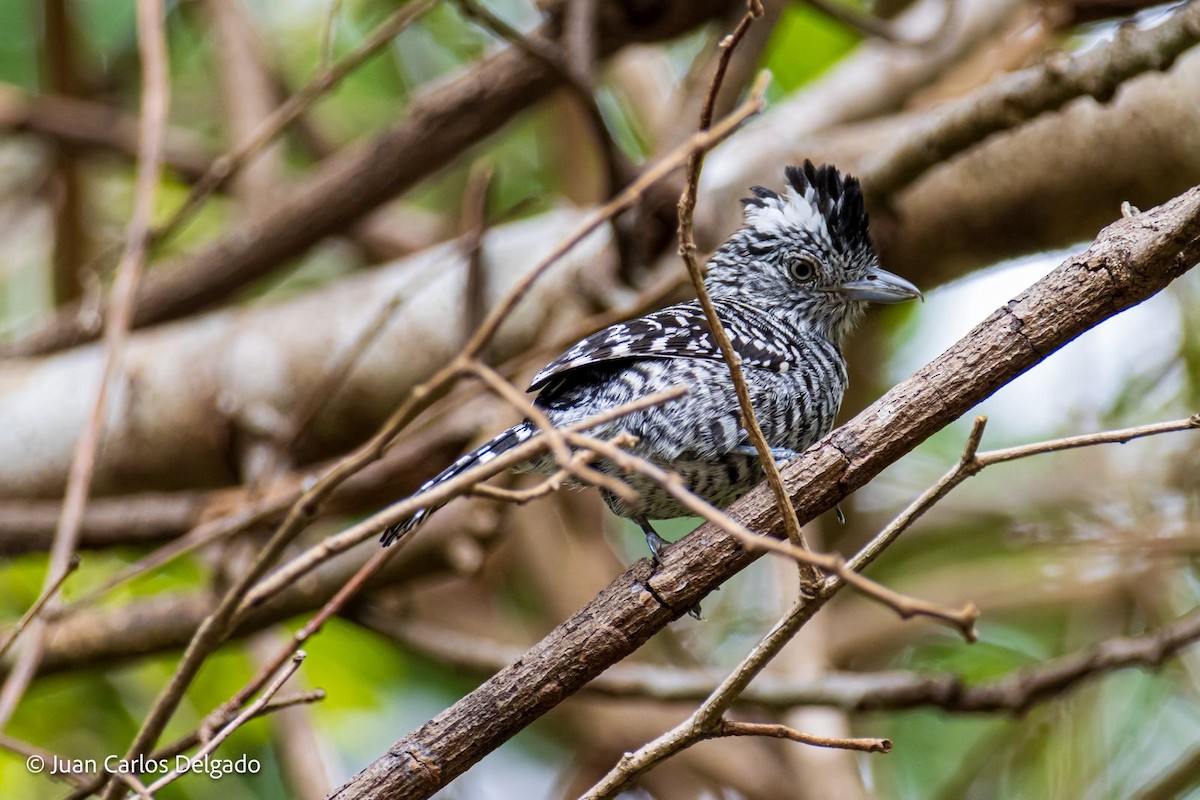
(507, 440)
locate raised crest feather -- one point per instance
(817, 200)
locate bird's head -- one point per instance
(807, 253)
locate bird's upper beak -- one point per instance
(879, 286)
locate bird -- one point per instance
(788, 287)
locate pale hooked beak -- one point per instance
(879, 286)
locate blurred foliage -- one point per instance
(1106, 739)
(804, 44)
(18, 59)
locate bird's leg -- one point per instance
(655, 542)
(841, 515)
(780, 454)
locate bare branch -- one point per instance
(474, 224)
(370, 527)
(36, 609)
(156, 95)
(728, 728)
(962, 620)
(87, 788)
(687, 249)
(92, 126)
(29, 751)
(253, 710)
(1014, 99)
(336, 375)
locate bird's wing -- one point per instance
(679, 331)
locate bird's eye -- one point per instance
(803, 269)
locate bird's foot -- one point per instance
(781, 454)
(655, 542)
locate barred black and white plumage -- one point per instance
(787, 287)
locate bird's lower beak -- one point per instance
(879, 286)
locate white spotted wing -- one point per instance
(678, 331)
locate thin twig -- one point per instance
(540, 489)
(94, 783)
(139, 789)
(687, 249)
(338, 543)
(474, 223)
(36, 609)
(962, 620)
(245, 513)
(707, 717)
(251, 711)
(332, 607)
(556, 443)
(972, 462)
(201, 535)
(156, 96)
(329, 32)
(574, 63)
(227, 165)
(505, 391)
(730, 728)
(343, 364)
(29, 752)
(987, 458)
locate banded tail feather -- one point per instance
(521, 432)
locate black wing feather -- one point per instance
(679, 331)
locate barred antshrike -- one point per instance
(787, 287)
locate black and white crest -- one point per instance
(818, 200)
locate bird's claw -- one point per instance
(782, 455)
